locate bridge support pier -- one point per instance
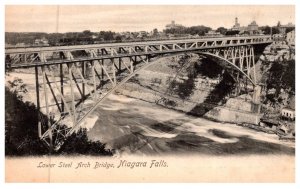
(131, 65)
(83, 67)
(48, 122)
(114, 72)
(256, 100)
(61, 76)
(72, 93)
(120, 65)
(256, 94)
(37, 89)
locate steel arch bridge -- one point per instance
(71, 81)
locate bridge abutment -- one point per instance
(256, 99)
(256, 94)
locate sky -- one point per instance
(118, 18)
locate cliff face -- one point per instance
(276, 72)
(276, 52)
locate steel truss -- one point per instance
(30, 57)
(239, 58)
(76, 89)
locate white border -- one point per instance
(156, 2)
(175, 2)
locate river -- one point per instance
(132, 126)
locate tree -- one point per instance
(21, 133)
(194, 30)
(232, 32)
(289, 75)
(289, 29)
(21, 137)
(266, 30)
(275, 30)
(107, 35)
(155, 32)
(222, 30)
(87, 33)
(119, 38)
(282, 76)
(200, 30)
(79, 143)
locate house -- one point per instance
(94, 36)
(21, 45)
(253, 28)
(142, 34)
(283, 28)
(43, 41)
(290, 37)
(288, 113)
(213, 33)
(127, 35)
(278, 37)
(7, 45)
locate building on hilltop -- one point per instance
(173, 25)
(251, 29)
(284, 28)
(236, 26)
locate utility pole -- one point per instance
(271, 31)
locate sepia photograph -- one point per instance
(149, 93)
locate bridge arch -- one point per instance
(207, 54)
(215, 56)
(128, 77)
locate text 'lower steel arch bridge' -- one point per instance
(71, 81)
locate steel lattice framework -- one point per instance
(71, 81)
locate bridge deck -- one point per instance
(265, 38)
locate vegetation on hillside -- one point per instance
(282, 75)
(194, 30)
(21, 133)
(281, 79)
